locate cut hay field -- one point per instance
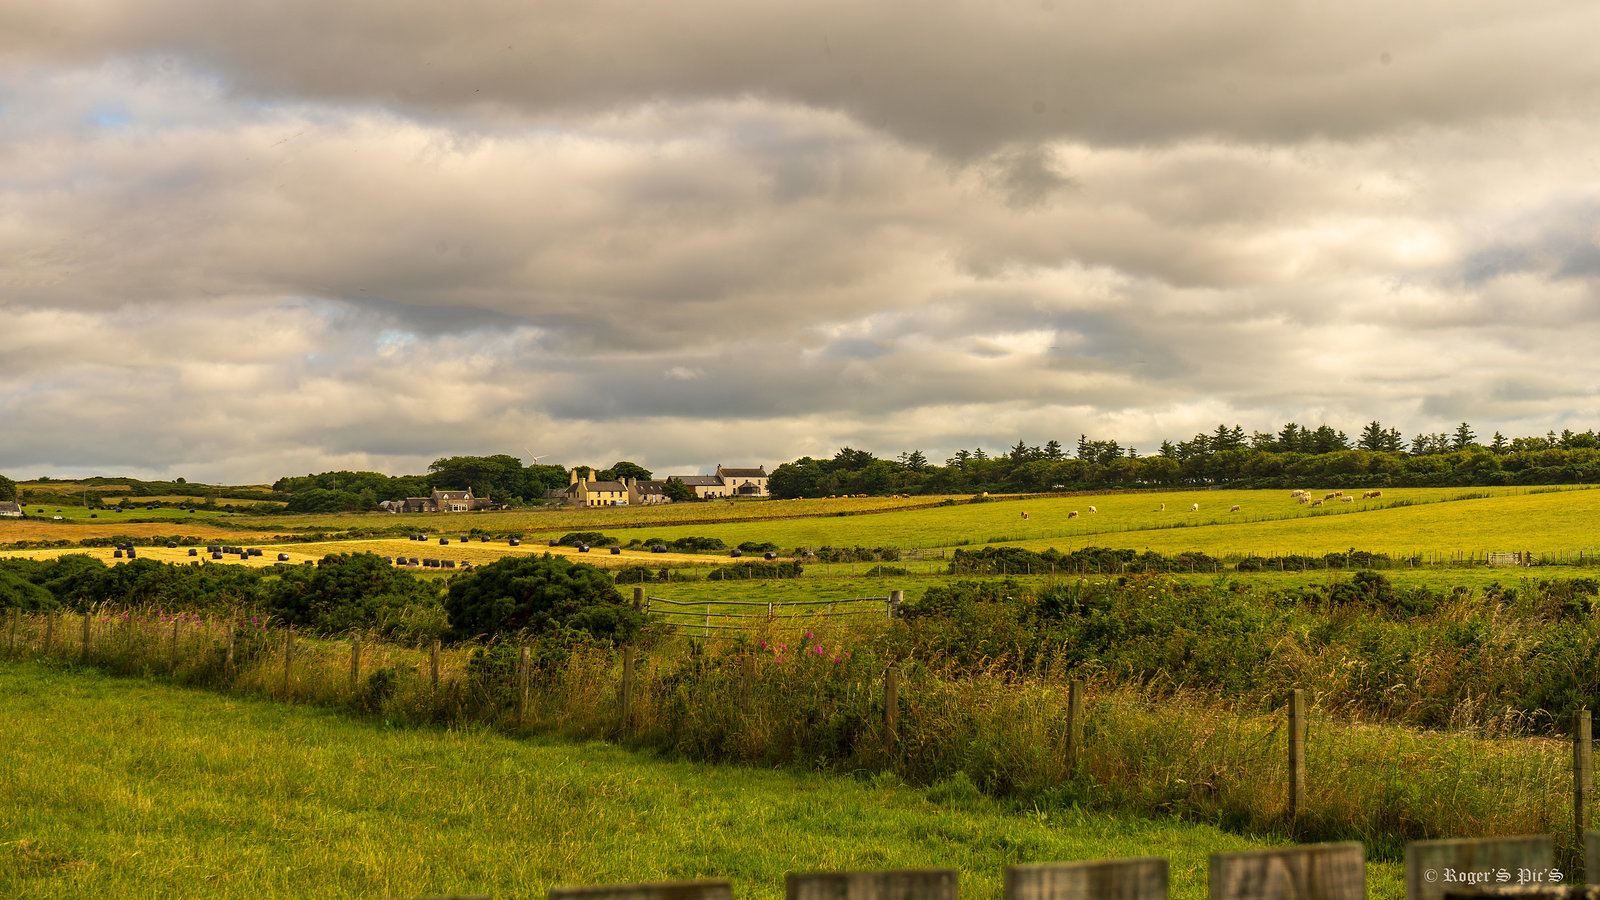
(181, 793)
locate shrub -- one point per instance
(592, 538)
(539, 595)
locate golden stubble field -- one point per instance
(476, 553)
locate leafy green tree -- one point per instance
(8, 488)
(1463, 437)
(1372, 436)
(540, 595)
(17, 592)
(915, 461)
(624, 469)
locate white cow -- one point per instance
(1194, 507)
(1092, 509)
(1073, 514)
(1235, 508)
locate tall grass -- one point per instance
(817, 701)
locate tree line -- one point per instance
(1293, 456)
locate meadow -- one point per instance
(183, 793)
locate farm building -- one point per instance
(584, 491)
(10, 508)
(644, 493)
(443, 501)
(727, 483)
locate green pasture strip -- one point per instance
(112, 787)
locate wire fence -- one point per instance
(734, 618)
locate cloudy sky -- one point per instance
(257, 238)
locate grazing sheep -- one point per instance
(1235, 508)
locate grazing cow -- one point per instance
(1305, 500)
(1370, 494)
(1163, 508)
(1330, 496)
(1024, 515)
(1316, 503)
(1347, 499)
(1235, 508)
(1194, 507)
(1073, 514)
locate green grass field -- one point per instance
(182, 793)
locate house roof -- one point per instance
(612, 486)
(758, 472)
(10, 507)
(698, 480)
(453, 495)
(650, 487)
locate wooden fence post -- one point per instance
(638, 599)
(227, 662)
(522, 688)
(624, 718)
(746, 669)
(172, 662)
(1297, 752)
(355, 661)
(891, 704)
(1074, 724)
(288, 657)
(49, 631)
(86, 635)
(895, 599)
(14, 614)
(435, 672)
(1582, 771)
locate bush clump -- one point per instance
(540, 595)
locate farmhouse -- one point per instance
(646, 493)
(10, 508)
(584, 491)
(442, 501)
(727, 483)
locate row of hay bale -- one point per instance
(427, 563)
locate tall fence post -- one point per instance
(227, 662)
(14, 614)
(86, 635)
(1074, 724)
(891, 704)
(355, 661)
(1582, 772)
(746, 668)
(435, 666)
(1297, 752)
(624, 717)
(638, 599)
(895, 599)
(522, 688)
(288, 657)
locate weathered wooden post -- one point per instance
(14, 614)
(1074, 724)
(86, 635)
(227, 663)
(355, 661)
(1582, 771)
(1327, 871)
(435, 668)
(891, 704)
(900, 884)
(624, 717)
(1102, 879)
(638, 599)
(172, 662)
(895, 599)
(1297, 752)
(288, 657)
(522, 688)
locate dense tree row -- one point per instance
(1294, 456)
(500, 477)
